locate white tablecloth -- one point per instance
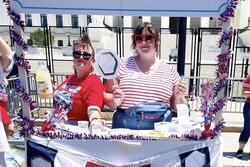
(69, 153)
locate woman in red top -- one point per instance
(83, 90)
(5, 121)
(5, 67)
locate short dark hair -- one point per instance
(150, 27)
(85, 40)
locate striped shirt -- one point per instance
(138, 87)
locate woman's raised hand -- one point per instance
(179, 92)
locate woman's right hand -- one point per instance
(3, 97)
(9, 130)
(117, 95)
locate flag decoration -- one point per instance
(106, 153)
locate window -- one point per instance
(89, 20)
(173, 25)
(136, 20)
(74, 21)
(44, 22)
(59, 20)
(28, 20)
(156, 21)
(195, 22)
(60, 42)
(213, 22)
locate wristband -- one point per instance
(94, 119)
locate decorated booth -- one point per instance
(169, 144)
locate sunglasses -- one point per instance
(144, 37)
(85, 55)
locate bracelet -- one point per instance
(94, 119)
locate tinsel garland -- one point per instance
(22, 62)
(15, 17)
(221, 73)
(211, 101)
(18, 39)
(27, 126)
(85, 136)
(23, 94)
(28, 129)
(225, 37)
(219, 127)
(217, 106)
(229, 12)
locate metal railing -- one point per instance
(234, 102)
(201, 46)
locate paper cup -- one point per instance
(83, 124)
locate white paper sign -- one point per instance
(183, 114)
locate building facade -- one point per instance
(67, 36)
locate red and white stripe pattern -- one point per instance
(138, 87)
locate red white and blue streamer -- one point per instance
(213, 99)
(23, 94)
(20, 60)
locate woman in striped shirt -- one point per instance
(142, 82)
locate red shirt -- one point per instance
(4, 115)
(85, 92)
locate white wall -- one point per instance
(146, 19)
(205, 22)
(51, 19)
(82, 20)
(243, 13)
(127, 21)
(5, 20)
(164, 22)
(36, 21)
